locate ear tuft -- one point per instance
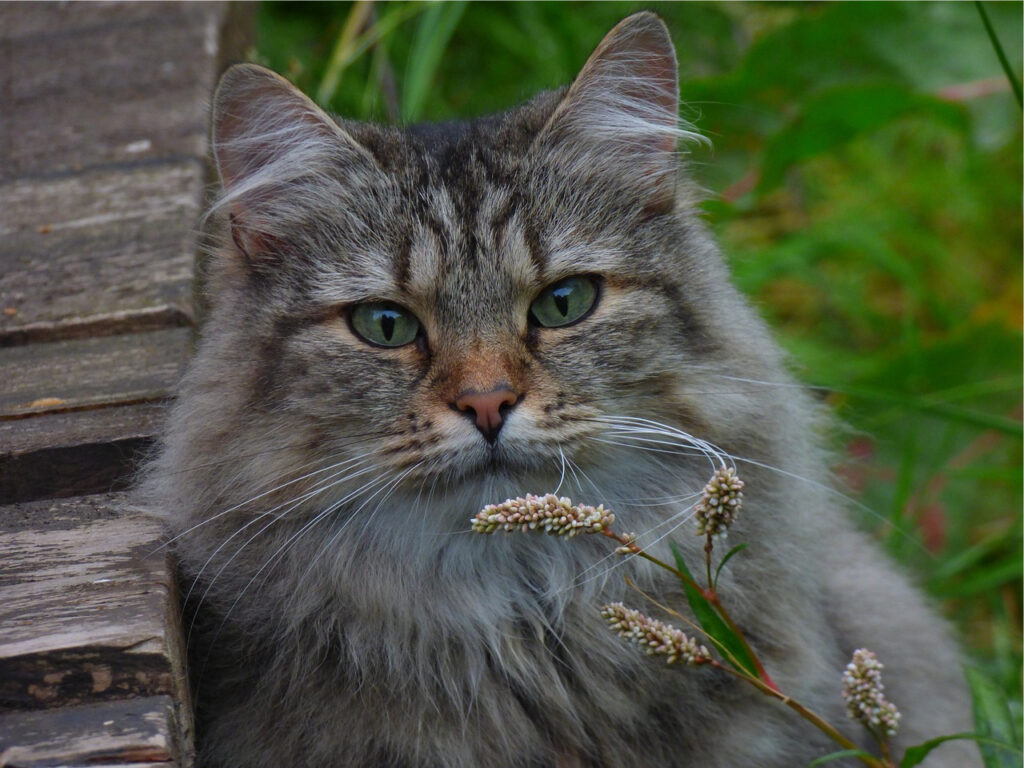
(258, 117)
(272, 145)
(622, 110)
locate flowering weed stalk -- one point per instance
(716, 511)
(720, 503)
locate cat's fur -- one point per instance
(319, 489)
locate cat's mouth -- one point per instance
(510, 460)
(493, 459)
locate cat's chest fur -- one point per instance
(407, 325)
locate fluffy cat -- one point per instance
(409, 323)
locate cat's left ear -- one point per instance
(274, 150)
(622, 110)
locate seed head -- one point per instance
(722, 499)
(629, 545)
(653, 636)
(547, 514)
(862, 691)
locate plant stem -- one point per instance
(708, 547)
(762, 673)
(709, 594)
(342, 54)
(1010, 74)
(807, 714)
(883, 745)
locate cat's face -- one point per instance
(485, 301)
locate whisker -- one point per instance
(260, 496)
(675, 452)
(628, 425)
(320, 487)
(561, 477)
(322, 515)
(646, 433)
(388, 485)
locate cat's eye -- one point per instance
(384, 324)
(566, 302)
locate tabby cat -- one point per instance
(410, 323)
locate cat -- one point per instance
(410, 323)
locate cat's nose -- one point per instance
(487, 409)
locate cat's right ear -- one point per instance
(271, 143)
(621, 112)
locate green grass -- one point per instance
(865, 182)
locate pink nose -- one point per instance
(487, 409)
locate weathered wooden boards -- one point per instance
(89, 617)
(103, 133)
(102, 179)
(103, 175)
(103, 247)
(127, 734)
(74, 412)
(91, 668)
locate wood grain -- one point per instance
(88, 605)
(87, 373)
(92, 245)
(116, 84)
(103, 176)
(129, 733)
(76, 415)
(68, 429)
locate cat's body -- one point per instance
(320, 487)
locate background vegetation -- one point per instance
(865, 182)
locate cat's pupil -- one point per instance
(561, 297)
(387, 324)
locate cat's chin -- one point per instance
(503, 461)
(503, 467)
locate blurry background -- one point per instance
(864, 180)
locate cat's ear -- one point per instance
(622, 110)
(272, 145)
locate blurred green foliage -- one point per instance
(865, 182)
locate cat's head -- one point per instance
(489, 303)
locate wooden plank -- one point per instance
(88, 605)
(71, 429)
(35, 19)
(89, 373)
(75, 415)
(86, 84)
(103, 122)
(131, 733)
(81, 249)
(96, 464)
(110, 84)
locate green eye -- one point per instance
(566, 302)
(384, 324)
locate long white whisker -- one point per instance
(323, 514)
(389, 486)
(262, 495)
(678, 451)
(561, 477)
(323, 485)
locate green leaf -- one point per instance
(916, 755)
(992, 720)
(839, 756)
(728, 641)
(1006, 571)
(721, 565)
(834, 116)
(435, 29)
